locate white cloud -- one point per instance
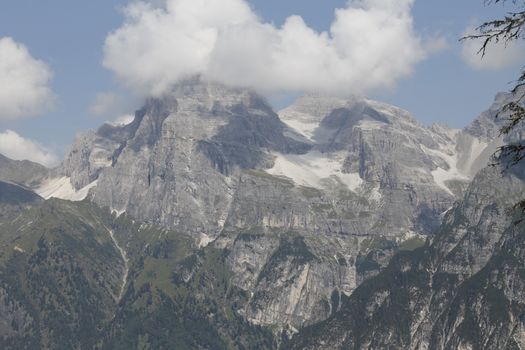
(16, 147)
(371, 44)
(497, 56)
(112, 105)
(24, 82)
(105, 103)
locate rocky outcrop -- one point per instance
(461, 292)
(175, 165)
(350, 181)
(22, 172)
(236, 227)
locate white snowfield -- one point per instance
(461, 157)
(476, 150)
(305, 115)
(304, 128)
(441, 176)
(312, 168)
(62, 188)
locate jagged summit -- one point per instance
(401, 148)
(308, 111)
(179, 154)
(487, 126)
(369, 147)
(246, 221)
(182, 162)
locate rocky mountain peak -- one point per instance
(289, 213)
(207, 128)
(312, 108)
(487, 126)
(445, 131)
(199, 96)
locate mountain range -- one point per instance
(212, 222)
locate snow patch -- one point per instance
(306, 114)
(122, 120)
(18, 249)
(443, 214)
(62, 188)
(440, 175)
(311, 168)
(476, 149)
(117, 213)
(205, 240)
(408, 235)
(303, 128)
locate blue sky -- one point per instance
(69, 37)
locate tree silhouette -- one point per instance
(506, 30)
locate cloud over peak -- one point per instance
(371, 44)
(25, 82)
(16, 147)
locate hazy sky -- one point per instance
(64, 69)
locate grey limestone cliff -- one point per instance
(463, 291)
(306, 204)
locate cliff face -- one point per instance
(463, 291)
(308, 203)
(232, 224)
(73, 276)
(177, 163)
(64, 261)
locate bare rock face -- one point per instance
(306, 204)
(415, 172)
(88, 156)
(463, 291)
(179, 163)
